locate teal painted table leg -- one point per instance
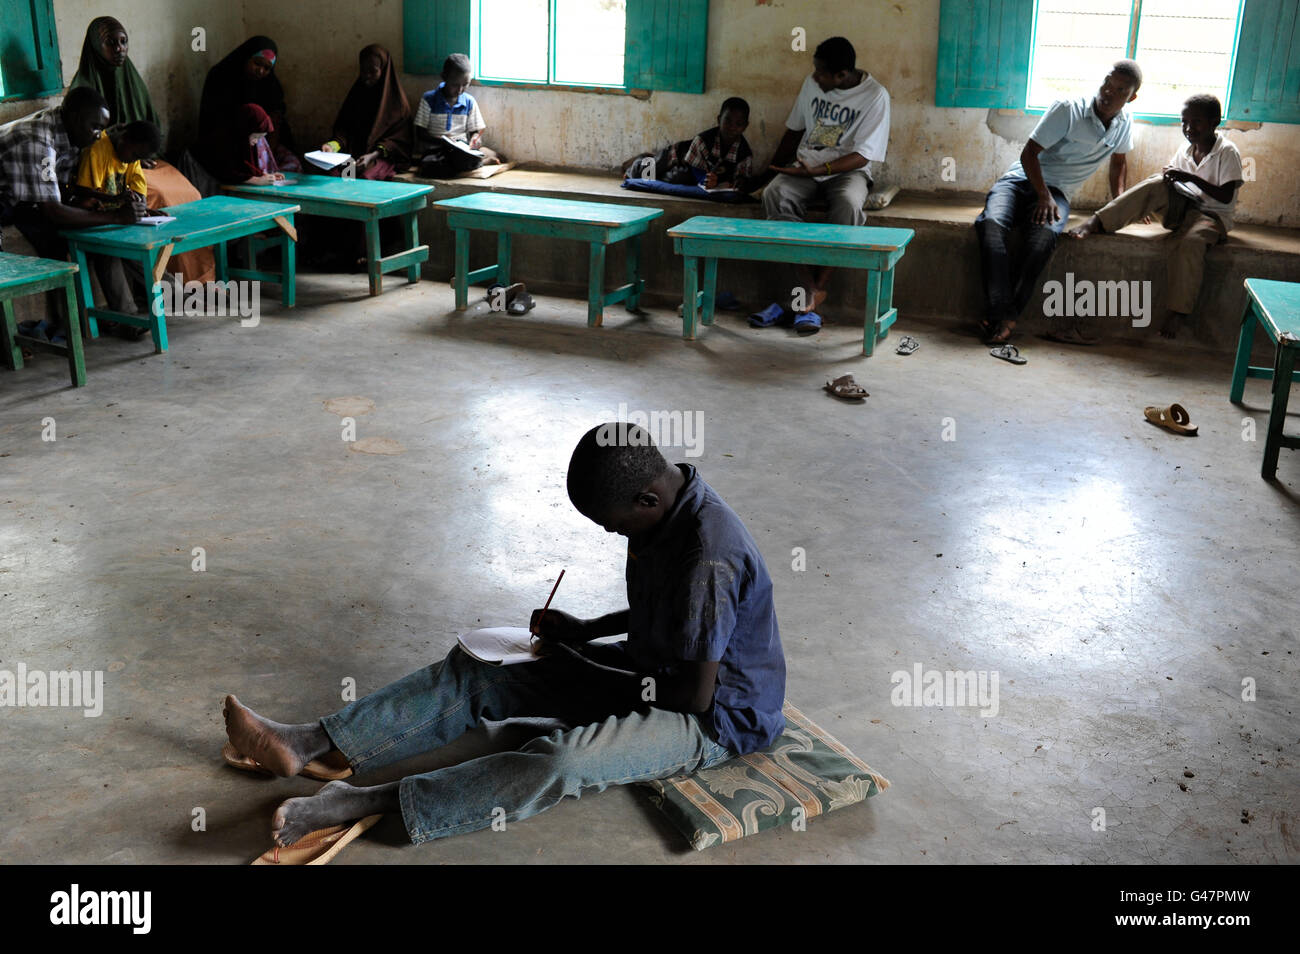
(157, 323)
(634, 273)
(596, 287)
(1245, 341)
(411, 229)
(886, 316)
(461, 278)
(503, 257)
(223, 261)
(289, 271)
(13, 351)
(85, 293)
(710, 290)
(76, 356)
(690, 295)
(873, 312)
(373, 256)
(1277, 416)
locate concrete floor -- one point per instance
(1122, 581)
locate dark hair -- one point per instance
(837, 54)
(611, 465)
(735, 104)
(1130, 69)
(1207, 105)
(143, 133)
(82, 99)
(457, 64)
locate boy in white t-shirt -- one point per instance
(838, 127)
(1197, 195)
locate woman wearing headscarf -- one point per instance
(246, 76)
(105, 67)
(247, 158)
(374, 123)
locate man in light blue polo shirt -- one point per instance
(1065, 148)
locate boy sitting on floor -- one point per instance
(451, 113)
(700, 679)
(109, 177)
(1197, 194)
(718, 158)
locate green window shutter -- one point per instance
(1266, 78)
(431, 31)
(984, 50)
(665, 45)
(30, 48)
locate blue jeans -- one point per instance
(607, 741)
(1010, 204)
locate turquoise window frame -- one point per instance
(476, 49)
(1134, 34)
(31, 23)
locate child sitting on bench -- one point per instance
(1196, 194)
(110, 177)
(700, 679)
(718, 158)
(451, 113)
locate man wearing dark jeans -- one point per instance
(1065, 148)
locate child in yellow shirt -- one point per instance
(108, 176)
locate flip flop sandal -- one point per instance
(317, 847)
(771, 315)
(846, 388)
(1172, 418)
(523, 303)
(329, 769)
(807, 323)
(1008, 352)
(1070, 335)
(907, 344)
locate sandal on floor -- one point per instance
(317, 847)
(1172, 418)
(522, 304)
(807, 323)
(773, 314)
(331, 768)
(1008, 352)
(1070, 335)
(726, 301)
(845, 387)
(906, 345)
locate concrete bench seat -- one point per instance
(945, 244)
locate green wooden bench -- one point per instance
(24, 275)
(802, 243)
(213, 221)
(597, 223)
(360, 200)
(1275, 306)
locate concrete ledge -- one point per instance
(938, 277)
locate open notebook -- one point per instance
(508, 645)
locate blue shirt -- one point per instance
(459, 120)
(698, 590)
(1075, 142)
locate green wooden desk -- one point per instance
(363, 201)
(25, 275)
(213, 221)
(597, 223)
(1275, 306)
(802, 243)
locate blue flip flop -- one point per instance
(808, 323)
(726, 301)
(768, 317)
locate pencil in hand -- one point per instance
(537, 628)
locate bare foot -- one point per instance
(1090, 225)
(1003, 334)
(1170, 327)
(280, 749)
(335, 804)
